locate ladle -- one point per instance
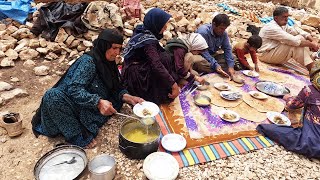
(144, 121)
(128, 116)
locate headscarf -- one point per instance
(194, 41)
(315, 75)
(147, 33)
(107, 70)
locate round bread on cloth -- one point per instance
(247, 112)
(269, 104)
(217, 100)
(269, 75)
(216, 78)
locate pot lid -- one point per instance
(64, 162)
(160, 166)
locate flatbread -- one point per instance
(214, 78)
(268, 75)
(269, 104)
(217, 100)
(247, 112)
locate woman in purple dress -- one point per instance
(303, 140)
(148, 70)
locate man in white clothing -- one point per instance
(281, 42)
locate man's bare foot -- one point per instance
(92, 144)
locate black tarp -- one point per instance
(59, 14)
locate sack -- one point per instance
(101, 15)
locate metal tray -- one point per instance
(49, 166)
(272, 88)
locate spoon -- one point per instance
(71, 161)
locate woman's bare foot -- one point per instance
(92, 144)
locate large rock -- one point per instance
(69, 40)
(311, 20)
(7, 95)
(6, 62)
(28, 54)
(42, 50)
(183, 22)
(29, 63)
(2, 27)
(6, 44)
(12, 54)
(4, 86)
(41, 70)
(61, 36)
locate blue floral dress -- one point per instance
(70, 108)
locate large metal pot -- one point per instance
(136, 150)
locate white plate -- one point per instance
(173, 142)
(221, 113)
(218, 86)
(260, 96)
(247, 73)
(160, 166)
(271, 115)
(150, 106)
(228, 95)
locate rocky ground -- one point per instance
(29, 65)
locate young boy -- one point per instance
(243, 48)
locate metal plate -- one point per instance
(230, 95)
(49, 165)
(202, 100)
(272, 88)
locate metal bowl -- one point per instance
(199, 98)
(102, 166)
(272, 88)
(203, 86)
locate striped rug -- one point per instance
(192, 156)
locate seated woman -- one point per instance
(85, 96)
(181, 49)
(148, 70)
(304, 140)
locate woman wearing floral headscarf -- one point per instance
(181, 49)
(147, 70)
(303, 140)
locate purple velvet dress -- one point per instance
(304, 140)
(149, 73)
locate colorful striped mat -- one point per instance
(192, 156)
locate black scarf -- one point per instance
(107, 70)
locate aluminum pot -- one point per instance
(102, 167)
(134, 150)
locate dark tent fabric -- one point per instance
(59, 14)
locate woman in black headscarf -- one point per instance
(86, 95)
(148, 69)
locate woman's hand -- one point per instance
(256, 68)
(175, 91)
(133, 100)
(105, 107)
(287, 97)
(199, 79)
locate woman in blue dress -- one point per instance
(303, 140)
(86, 95)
